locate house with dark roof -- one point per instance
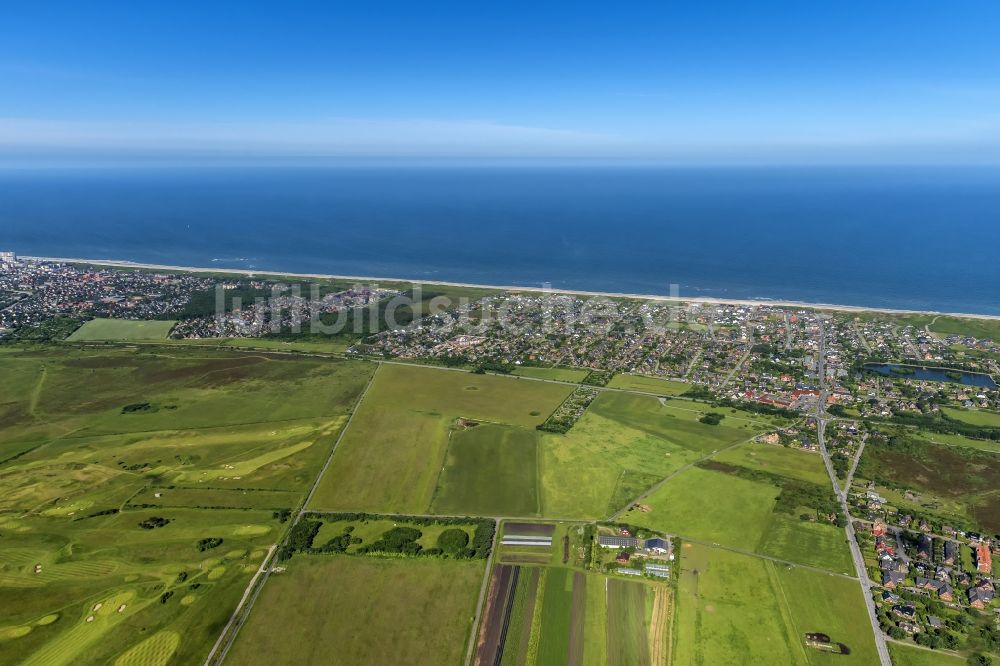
(890, 579)
(943, 589)
(979, 597)
(606, 541)
(657, 545)
(950, 552)
(925, 547)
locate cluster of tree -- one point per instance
(493, 366)
(208, 544)
(398, 539)
(598, 378)
(153, 522)
(136, 407)
(282, 515)
(339, 544)
(96, 514)
(300, 538)
(712, 418)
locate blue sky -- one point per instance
(735, 82)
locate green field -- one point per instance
(709, 506)
(734, 608)
(793, 463)
(676, 421)
(628, 642)
(647, 384)
(719, 508)
(490, 470)
(122, 329)
(392, 455)
(363, 610)
(978, 417)
(557, 374)
(600, 465)
(910, 655)
(117, 463)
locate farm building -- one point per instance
(617, 542)
(658, 545)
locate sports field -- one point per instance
(391, 458)
(362, 610)
(143, 489)
(122, 329)
(734, 608)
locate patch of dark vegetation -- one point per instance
(282, 515)
(495, 367)
(96, 514)
(401, 540)
(137, 407)
(208, 544)
(453, 541)
(598, 378)
(165, 597)
(301, 538)
(902, 462)
(711, 418)
(154, 522)
(53, 329)
(941, 423)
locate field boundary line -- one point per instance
(264, 567)
(478, 618)
(232, 628)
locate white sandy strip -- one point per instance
(547, 290)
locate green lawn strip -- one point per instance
(910, 655)
(793, 463)
(646, 384)
(122, 329)
(556, 374)
(553, 645)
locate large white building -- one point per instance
(7, 258)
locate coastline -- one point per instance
(113, 263)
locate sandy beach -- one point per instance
(549, 290)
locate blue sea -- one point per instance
(911, 238)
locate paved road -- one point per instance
(859, 560)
